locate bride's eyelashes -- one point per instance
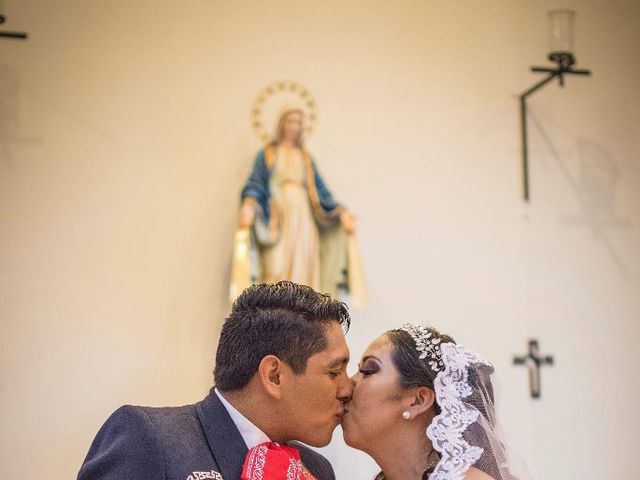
(369, 368)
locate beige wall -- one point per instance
(124, 140)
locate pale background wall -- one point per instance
(124, 140)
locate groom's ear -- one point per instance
(423, 399)
(269, 374)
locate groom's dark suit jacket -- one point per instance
(193, 442)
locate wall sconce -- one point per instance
(561, 23)
(561, 53)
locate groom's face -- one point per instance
(313, 401)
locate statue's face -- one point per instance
(292, 127)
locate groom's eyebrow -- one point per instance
(339, 362)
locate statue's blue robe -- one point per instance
(326, 210)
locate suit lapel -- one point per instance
(224, 439)
(313, 461)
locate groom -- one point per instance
(280, 376)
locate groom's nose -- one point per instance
(345, 389)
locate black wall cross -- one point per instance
(533, 360)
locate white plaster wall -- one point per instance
(124, 140)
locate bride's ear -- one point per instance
(423, 399)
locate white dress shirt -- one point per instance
(251, 434)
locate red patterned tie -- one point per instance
(272, 461)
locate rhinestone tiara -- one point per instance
(427, 344)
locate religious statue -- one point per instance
(290, 226)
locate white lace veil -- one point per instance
(465, 432)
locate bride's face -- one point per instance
(378, 399)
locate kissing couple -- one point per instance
(420, 405)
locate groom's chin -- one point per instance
(319, 439)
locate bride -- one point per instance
(423, 408)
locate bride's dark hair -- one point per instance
(414, 372)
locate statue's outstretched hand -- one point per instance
(247, 214)
(348, 222)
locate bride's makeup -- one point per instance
(369, 366)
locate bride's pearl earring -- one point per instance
(406, 415)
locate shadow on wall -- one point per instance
(9, 117)
(594, 187)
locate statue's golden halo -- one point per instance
(273, 98)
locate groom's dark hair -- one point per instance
(284, 319)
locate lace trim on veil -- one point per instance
(445, 431)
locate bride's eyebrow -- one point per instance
(373, 357)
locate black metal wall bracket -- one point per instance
(564, 66)
(14, 35)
